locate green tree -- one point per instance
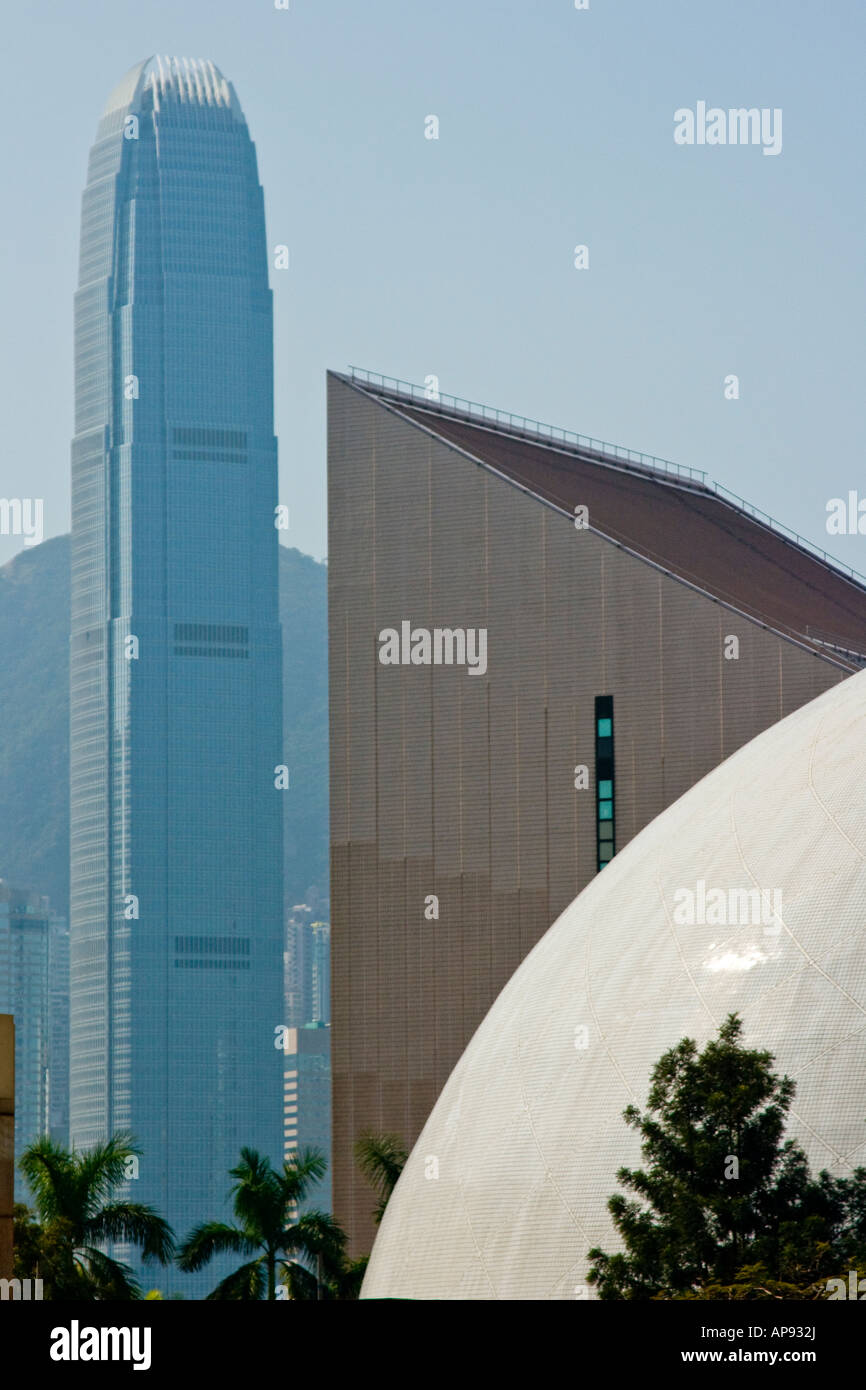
(76, 1215)
(724, 1200)
(307, 1251)
(36, 1255)
(381, 1158)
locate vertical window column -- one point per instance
(604, 780)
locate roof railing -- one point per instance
(432, 399)
(832, 645)
(472, 410)
(786, 532)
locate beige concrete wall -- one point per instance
(463, 786)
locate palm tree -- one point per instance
(73, 1195)
(381, 1158)
(270, 1229)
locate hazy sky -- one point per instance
(455, 256)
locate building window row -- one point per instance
(211, 651)
(209, 438)
(212, 965)
(211, 632)
(212, 945)
(206, 456)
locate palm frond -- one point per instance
(139, 1225)
(110, 1279)
(350, 1278)
(381, 1158)
(244, 1285)
(212, 1238)
(316, 1233)
(51, 1175)
(300, 1173)
(302, 1285)
(254, 1168)
(102, 1168)
(257, 1196)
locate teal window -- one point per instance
(605, 798)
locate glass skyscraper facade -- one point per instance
(307, 1103)
(308, 969)
(34, 988)
(176, 850)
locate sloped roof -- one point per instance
(672, 518)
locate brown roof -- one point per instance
(683, 526)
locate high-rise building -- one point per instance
(307, 1102)
(320, 972)
(7, 1141)
(34, 988)
(297, 993)
(538, 642)
(58, 1045)
(307, 969)
(176, 872)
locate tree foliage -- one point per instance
(381, 1158)
(305, 1253)
(77, 1215)
(724, 1202)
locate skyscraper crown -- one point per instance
(184, 81)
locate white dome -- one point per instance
(528, 1134)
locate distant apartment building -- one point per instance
(307, 1078)
(34, 988)
(538, 642)
(307, 968)
(307, 1101)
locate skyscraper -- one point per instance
(308, 969)
(7, 1140)
(34, 988)
(307, 1102)
(58, 1046)
(176, 857)
(538, 642)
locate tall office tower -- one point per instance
(307, 1102)
(34, 988)
(58, 1046)
(537, 644)
(7, 1141)
(176, 873)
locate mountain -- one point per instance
(34, 719)
(304, 616)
